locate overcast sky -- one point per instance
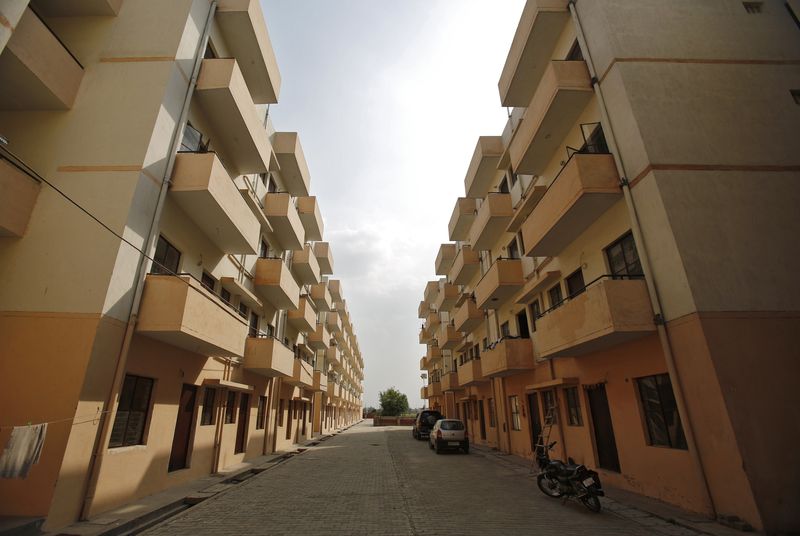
(389, 98)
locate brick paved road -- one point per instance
(381, 481)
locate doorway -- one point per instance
(183, 428)
(534, 419)
(482, 419)
(606, 444)
(241, 426)
(522, 325)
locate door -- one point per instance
(183, 428)
(482, 419)
(241, 426)
(534, 420)
(607, 457)
(522, 325)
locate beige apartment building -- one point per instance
(621, 262)
(142, 126)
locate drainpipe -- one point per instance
(103, 436)
(652, 289)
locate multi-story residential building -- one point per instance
(165, 299)
(621, 258)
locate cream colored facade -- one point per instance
(622, 253)
(154, 118)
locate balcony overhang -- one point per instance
(493, 217)
(608, 313)
(333, 322)
(447, 297)
(470, 373)
(444, 259)
(468, 317)
(286, 225)
(559, 100)
(450, 382)
(79, 8)
(304, 318)
(305, 266)
(223, 95)
(267, 356)
(434, 354)
(448, 337)
(37, 71)
(274, 282)
(465, 266)
(177, 310)
(206, 193)
(294, 169)
(586, 187)
(431, 292)
(18, 194)
(508, 357)
(483, 166)
(242, 25)
(319, 338)
(538, 31)
(310, 216)
(322, 251)
(462, 218)
(502, 280)
(302, 375)
(335, 286)
(322, 297)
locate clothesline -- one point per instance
(95, 417)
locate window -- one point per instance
(575, 284)
(225, 295)
(230, 408)
(476, 352)
(504, 186)
(263, 251)
(243, 310)
(492, 416)
(505, 330)
(280, 411)
(264, 179)
(512, 250)
(549, 406)
(575, 53)
(485, 344)
(661, 412)
(623, 259)
(596, 141)
(208, 281)
(167, 258)
(536, 312)
(513, 403)
(753, 7)
(131, 416)
(207, 416)
(555, 295)
(573, 406)
(192, 141)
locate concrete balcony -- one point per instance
(304, 318)
(225, 100)
(285, 221)
(609, 312)
(432, 320)
(241, 23)
(424, 335)
(274, 282)
(305, 266)
(320, 381)
(333, 322)
(320, 338)
(323, 253)
(431, 292)
(434, 354)
(79, 8)
(448, 337)
(444, 259)
(423, 363)
(468, 317)
(206, 193)
(525, 195)
(470, 373)
(491, 221)
(538, 31)
(335, 286)
(294, 169)
(462, 218)
(334, 357)
(18, 194)
(434, 389)
(450, 382)
(586, 187)
(559, 100)
(483, 166)
(423, 392)
(302, 375)
(37, 71)
(180, 312)
(447, 297)
(509, 356)
(308, 209)
(269, 357)
(499, 283)
(465, 266)
(322, 297)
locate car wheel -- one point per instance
(437, 449)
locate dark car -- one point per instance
(424, 422)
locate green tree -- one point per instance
(393, 402)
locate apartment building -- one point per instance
(167, 306)
(620, 262)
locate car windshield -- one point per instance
(431, 418)
(452, 425)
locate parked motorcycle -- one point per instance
(559, 479)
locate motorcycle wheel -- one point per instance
(592, 502)
(548, 486)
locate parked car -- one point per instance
(449, 434)
(424, 422)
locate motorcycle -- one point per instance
(558, 479)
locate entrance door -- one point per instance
(482, 419)
(305, 407)
(241, 426)
(183, 428)
(607, 457)
(522, 325)
(534, 420)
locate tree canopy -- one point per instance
(393, 402)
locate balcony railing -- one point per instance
(447, 297)
(507, 356)
(322, 297)
(268, 356)
(491, 221)
(305, 266)
(319, 339)
(294, 169)
(483, 166)
(275, 283)
(448, 338)
(308, 208)
(286, 225)
(465, 266)
(468, 317)
(470, 373)
(450, 382)
(444, 259)
(461, 220)
(304, 318)
(322, 251)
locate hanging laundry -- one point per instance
(22, 450)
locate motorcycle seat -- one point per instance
(566, 468)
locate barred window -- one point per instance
(513, 402)
(131, 416)
(207, 416)
(573, 406)
(661, 412)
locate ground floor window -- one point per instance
(492, 417)
(207, 416)
(550, 407)
(573, 406)
(131, 416)
(661, 412)
(513, 403)
(261, 415)
(230, 408)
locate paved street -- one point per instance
(381, 481)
